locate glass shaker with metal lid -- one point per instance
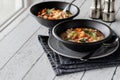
(108, 13)
(96, 9)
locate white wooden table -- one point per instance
(22, 56)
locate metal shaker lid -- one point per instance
(108, 17)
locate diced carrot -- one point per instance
(82, 34)
(78, 29)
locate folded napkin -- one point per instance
(65, 65)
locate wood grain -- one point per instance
(23, 60)
(41, 71)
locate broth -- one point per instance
(82, 35)
(53, 14)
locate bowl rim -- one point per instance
(91, 43)
(78, 10)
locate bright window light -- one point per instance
(8, 8)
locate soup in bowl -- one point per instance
(82, 34)
(49, 13)
(53, 14)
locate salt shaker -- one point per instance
(96, 9)
(108, 13)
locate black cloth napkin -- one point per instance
(65, 65)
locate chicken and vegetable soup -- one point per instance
(53, 14)
(82, 35)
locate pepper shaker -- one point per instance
(96, 9)
(108, 13)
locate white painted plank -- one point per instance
(24, 60)
(77, 2)
(116, 28)
(116, 25)
(12, 25)
(116, 75)
(41, 71)
(16, 21)
(12, 42)
(84, 9)
(73, 76)
(99, 74)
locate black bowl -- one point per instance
(63, 26)
(52, 4)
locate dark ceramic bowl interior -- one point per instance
(63, 26)
(52, 4)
